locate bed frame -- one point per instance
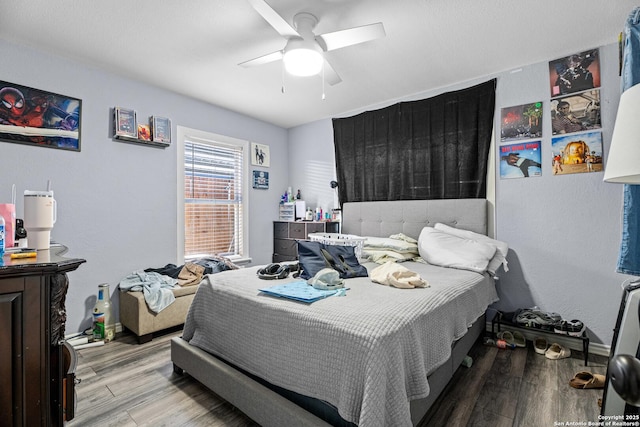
(267, 406)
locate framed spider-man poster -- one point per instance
(40, 118)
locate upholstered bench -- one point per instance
(136, 316)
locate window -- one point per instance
(212, 189)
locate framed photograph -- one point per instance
(261, 180)
(37, 117)
(574, 73)
(161, 129)
(260, 155)
(125, 122)
(144, 132)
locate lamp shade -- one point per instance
(623, 164)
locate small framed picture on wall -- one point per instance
(125, 122)
(260, 155)
(261, 180)
(161, 129)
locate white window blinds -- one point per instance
(213, 199)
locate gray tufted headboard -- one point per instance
(382, 219)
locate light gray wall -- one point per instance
(563, 231)
(117, 201)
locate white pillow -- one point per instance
(447, 250)
(502, 248)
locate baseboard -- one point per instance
(118, 327)
(594, 348)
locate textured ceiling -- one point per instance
(194, 47)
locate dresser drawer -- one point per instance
(315, 227)
(280, 230)
(297, 230)
(285, 247)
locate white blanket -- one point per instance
(367, 353)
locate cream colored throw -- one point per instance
(397, 275)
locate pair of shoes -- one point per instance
(574, 328)
(587, 380)
(534, 318)
(514, 338)
(540, 345)
(556, 351)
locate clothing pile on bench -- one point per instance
(157, 283)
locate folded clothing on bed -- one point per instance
(395, 248)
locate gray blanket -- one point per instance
(367, 353)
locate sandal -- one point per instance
(540, 345)
(519, 339)
(587, 380)
(508, 337)
(556, 351)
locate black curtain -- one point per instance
(435, 148)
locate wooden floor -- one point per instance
(126, 384)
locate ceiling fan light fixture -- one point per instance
(302, 58)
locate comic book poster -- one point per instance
(576, 113)
(522, 160)
(574, 73)
(40, 118)
(577, 153)
(521, 122)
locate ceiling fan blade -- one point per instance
(276, 21)
(351, 36)
(330, 75)
(264, 59)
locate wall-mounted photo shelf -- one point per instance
(155, 133)
(141, 141)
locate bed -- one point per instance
(378, 356)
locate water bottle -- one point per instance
(2, 231)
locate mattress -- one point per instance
(367, 353)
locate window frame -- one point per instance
(185, 134)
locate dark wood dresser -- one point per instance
(285, 234)
(32, 328)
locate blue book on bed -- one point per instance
(299, 290)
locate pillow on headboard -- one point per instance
(446, 250)
(500, 257)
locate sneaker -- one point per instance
(540, 345)
(574, 328)
(531, 318)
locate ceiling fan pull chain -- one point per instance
(283, 89)
(323, 95)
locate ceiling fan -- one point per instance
(303, 54)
